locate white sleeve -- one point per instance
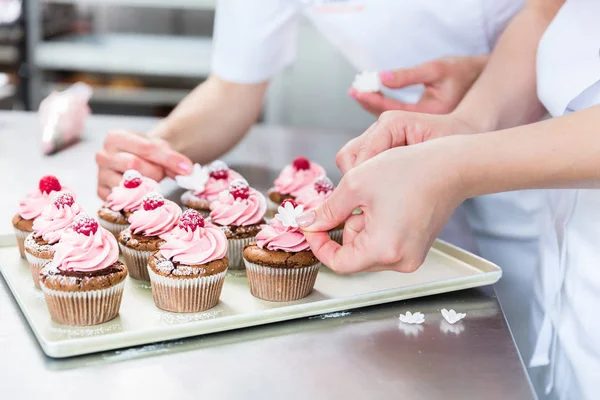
(497, 14)
(253, 40)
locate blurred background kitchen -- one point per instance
(143, 56)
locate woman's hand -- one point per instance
(398, 128)
(125, 150)
(406, 196)
(446, 81)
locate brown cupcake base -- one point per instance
(188, 295)
(84, 308)
(281, 284)
(38, 253)
(190, 200)
(136, 250)
(83, 298)
(21, 236)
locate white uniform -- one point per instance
(568, 288)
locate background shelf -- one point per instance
(170, 4)
(160, 55)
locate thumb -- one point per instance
(331, 213)
(421, 74)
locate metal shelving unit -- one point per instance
(159, 55)
(130, 96)
(144, 55)
(170, 4)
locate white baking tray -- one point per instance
(447, 268)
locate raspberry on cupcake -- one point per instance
(47, 231)
(32, 206)
(83, 284)
(188, 271)
(124, 200)
(280, 266)
(293, 179)
(239, 212)
(205, 184)
(314, 195)
(157, 217)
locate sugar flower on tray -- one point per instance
(409, 318)
(196, 180)
(452, 316)
(367, 82)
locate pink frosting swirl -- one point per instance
(33, 204)
(228, 211)
(130, 199)
(82, 253)
(155, 222)
(214, 187)
(292, 181)
(275, 236)
(53, 221)
(197, 247)
(311, 199)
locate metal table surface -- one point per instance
(361, 353)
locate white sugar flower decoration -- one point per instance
(409, 318)
(367, 82)
(287, 214)
(452, 316)
(196, 180)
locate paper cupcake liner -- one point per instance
(235, 248)
(113, 228)
(35, 265)
(186, 295)
(21, 236)
(136, 262)
(91, 307)
(337, 235)
(281, 284)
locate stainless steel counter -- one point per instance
(359, 354)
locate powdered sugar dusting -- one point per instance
(78, 332)
(184, 270)
(217, 166)
(136, 352)
(174, 318)
(165, 266)
(332, 315)
(131, 174)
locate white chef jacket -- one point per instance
(254, 40)
(568, 289)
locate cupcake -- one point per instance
(314, 195)
(293, 179)
(205, 184)
(156, 218)
(83, 284)
(239, 212)
(188, 271)
(31, 207)
(280, 265)
(124, 200)
(47, 231)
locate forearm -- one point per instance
(212, 119)
(505, 94)
(557, 153)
